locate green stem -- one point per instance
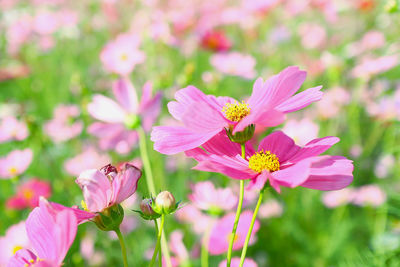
(246, 243)
(159, 234)
(146, 162)
(204, 250)
(159, 251)
(123, 247)
(237, 216)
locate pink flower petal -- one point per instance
(105, 109)
(314, 148)
(125, 93)
(301, 100)
(279, 144)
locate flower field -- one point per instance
(199, 133)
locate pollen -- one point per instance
(27, 193)
(13, 170)
(124, 57)
(236, 111)
(264, 160)
(84, 206)
(16, 248)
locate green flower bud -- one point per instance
(110, 219)
(165, 203)
(146, 210)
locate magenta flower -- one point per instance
(278, 160)
(236, 261)
(14, 240)
(12, 129)
(266, 107)
(222, 230)
(51, 235)
(206, 197)
(119, 118)
(61, 128)
(107, 187)
(28, 194)
(122, 54)
(15, 163)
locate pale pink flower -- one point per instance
(332, 102)
(51, 235)
(45, 23)
(107, 187)
(221, 232)
(266, 107)
(190, 214)
(122, 54)
(14, 240)
(313, 36)
(234, 63)
(386, 107)
(236, 261)
(28, 194)
(269, 209)
(206, 197)
(337, 198)
(18, 34)
(12, 129)
(60, 128)
(301, 131)
(369, 195)
(373, 66)
(90, 158)
(15, 163)
(180, 254)
(88, 252)
(384, 165)
(121, 117)
(278, 160)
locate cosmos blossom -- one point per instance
(51, 234)
(222, 230)
(106, 187)
(278, 160)
(12, 129)
(14, 240)
(266, 107)
(119, 118)
(15, 163)
(28, 194)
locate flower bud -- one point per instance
(243, 136)
(110, 219)
(164, 203)
(147, 211)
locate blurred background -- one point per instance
(55, 55)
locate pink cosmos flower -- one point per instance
(373, 66)
(216, 41)
(14, 240)
(221, 232)
(278, 160)
(190, 214)
(301, 131)
(206, 197)
(369, 195)
(51, 235)
(338, 198)
(271, 208)
(15, 163)
(333, 102)
(180, 253)
(266, 107)
(60, 128)
(313, 36)
(28, 194)
(118, 118)
(235, 64)
(88, 252)
(107, 187)
(384, 165)
(90, 158)
(236, 261)
(12, 129)
(122, 54)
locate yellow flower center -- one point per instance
(236, 111)
(124, 56)
(13, 170)
(27, 193)
(84, 206)
(264, 160)
(16, 248)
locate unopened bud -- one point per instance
(147, 211)
(164, 203)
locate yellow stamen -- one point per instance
(84, 206)
(236, 111)
(16, 248)
(27, 193)
(13, 170)
(264, 160)
(124, 56)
